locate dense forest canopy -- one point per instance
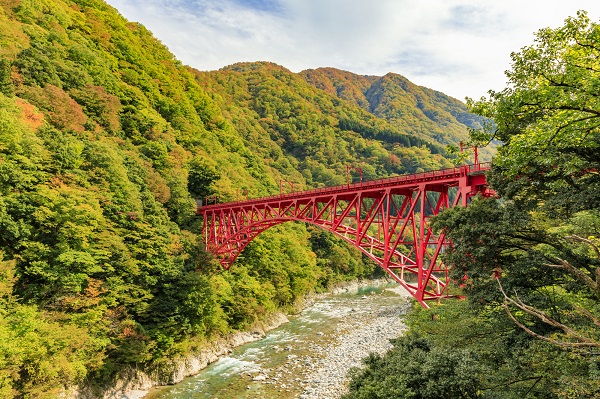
(530, 326)
(107, 142)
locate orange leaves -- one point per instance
(91, 296)
(62, 111)
(29, 114)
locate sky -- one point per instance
(458, 47)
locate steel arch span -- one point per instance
(386, 219)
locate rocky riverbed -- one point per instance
(308, 358)
(365, 328)
(364, 331)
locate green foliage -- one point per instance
(38, 355)
(202, 174)
(100, 106)
(455, 350)
(415, 368)
(6, 84)
(548, 118)
(337, 260)
(545, 172)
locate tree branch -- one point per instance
(578, 274)
(545, 318)
(581, 109)
(594, 285)
(588, 45)
(585, 240)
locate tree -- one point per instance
(549, 119)
(38, 355)
(531, 257)
(6, 84)
(414, 368)
(201, 175)
(534, 251)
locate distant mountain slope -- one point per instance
(412, 109)
(346, 85)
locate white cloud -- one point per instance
(458, 47)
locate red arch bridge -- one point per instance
(387, 219)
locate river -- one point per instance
(307, 358)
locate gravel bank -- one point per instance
(321, 371)
(358, 334)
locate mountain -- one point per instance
(309, 135)
(413, 110)
(345, 85)
(107, 142)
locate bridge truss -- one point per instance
(386, 219)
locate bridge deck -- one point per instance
(437, 176)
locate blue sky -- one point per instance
(459, 47)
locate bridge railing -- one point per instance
(416, 177)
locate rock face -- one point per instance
(134, 383)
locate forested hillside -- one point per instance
(106, 143)
(308, 136)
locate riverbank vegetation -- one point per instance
(530, 326)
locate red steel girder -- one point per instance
(386, 219)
